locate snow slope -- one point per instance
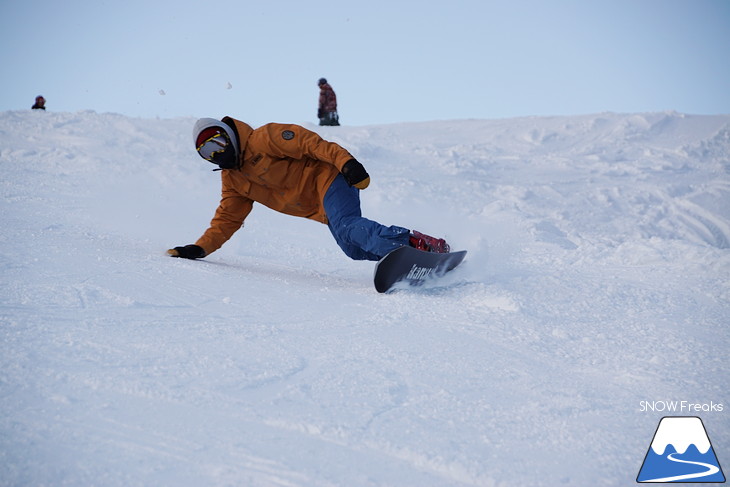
(597, 278)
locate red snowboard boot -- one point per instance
(428, 244)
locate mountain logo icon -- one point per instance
(680, 452)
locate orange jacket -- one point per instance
(285, 167)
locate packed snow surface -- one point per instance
(597, 282)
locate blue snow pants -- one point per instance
(358, 237)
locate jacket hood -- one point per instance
(243, 131)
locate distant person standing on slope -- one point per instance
(327, 112)
(40, 103)
(294, 171)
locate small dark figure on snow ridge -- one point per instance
(294, 171)
(40, 103)
(327, 112)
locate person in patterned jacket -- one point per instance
(327, 112)
(294, 171)
(40, 103)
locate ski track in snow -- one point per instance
(596, 278)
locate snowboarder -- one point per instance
(40, 103)
(294, 171)
(327, 111)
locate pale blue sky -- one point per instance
(388, 60)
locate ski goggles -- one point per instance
(210, 142)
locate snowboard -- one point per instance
(407, 264)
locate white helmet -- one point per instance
(216, 142)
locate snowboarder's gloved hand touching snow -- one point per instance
(187, 252)
(355, 174)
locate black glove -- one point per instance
(355, 174)
(320, 113)
(187, 252)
